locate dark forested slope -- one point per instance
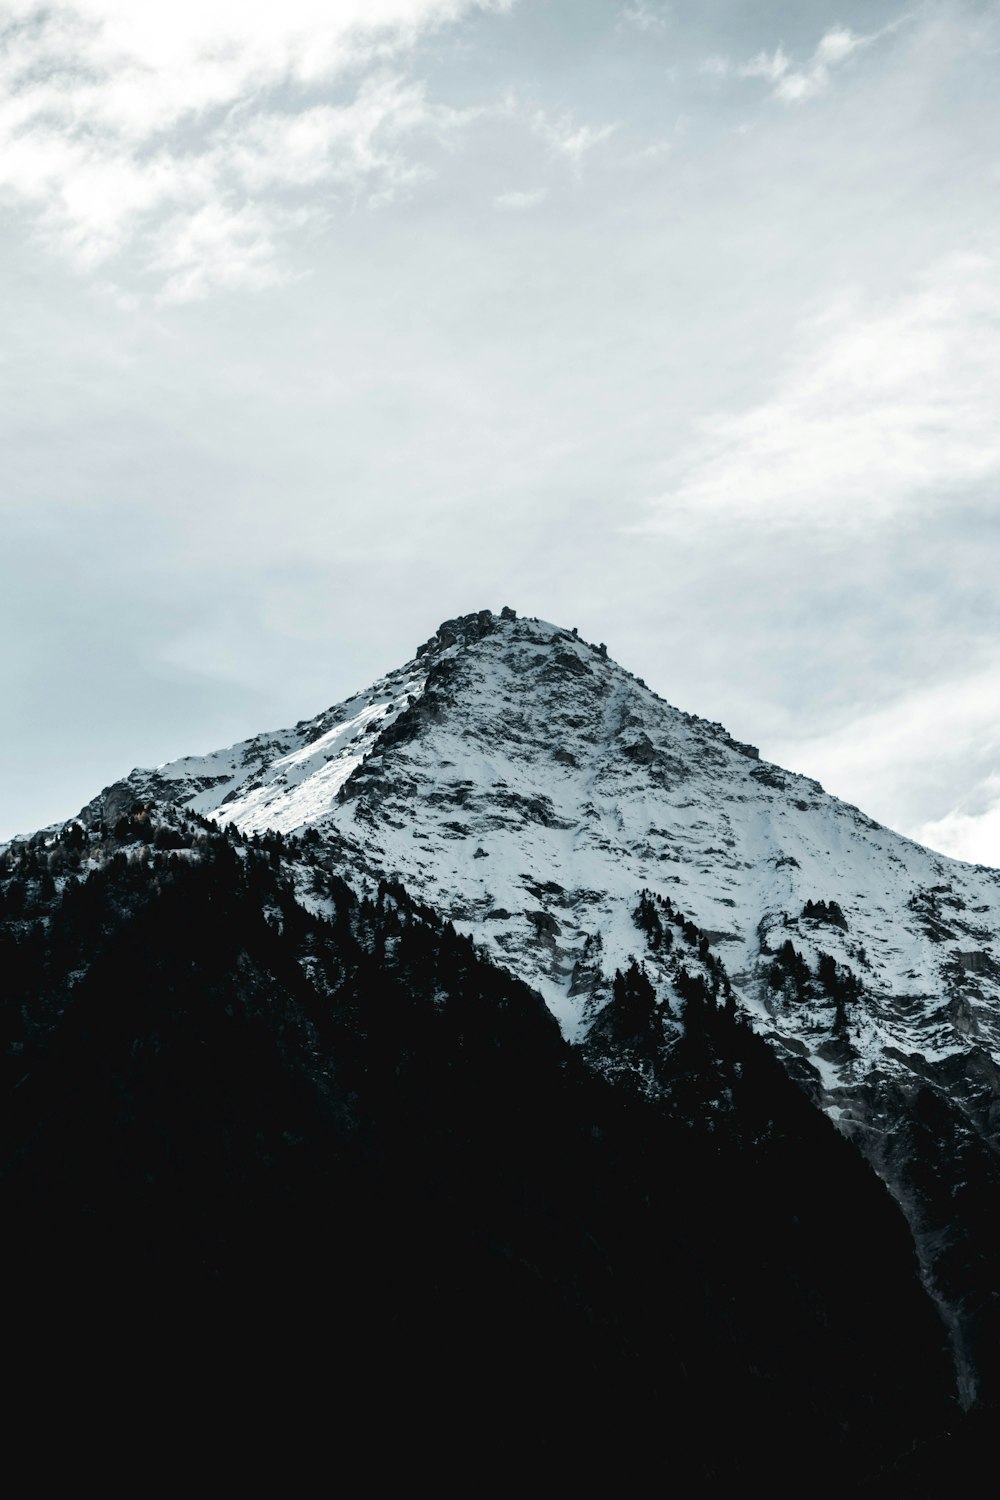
(249, 1134)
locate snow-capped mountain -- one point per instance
(528, 787)
(519, 781)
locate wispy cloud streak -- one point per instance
(886, 406)
(794, 84)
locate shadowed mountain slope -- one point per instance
(238, 1126)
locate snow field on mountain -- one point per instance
(544, 787)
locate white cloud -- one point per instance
(771, 68)
(218, 247)
(838, 44)
(793, 85)
(116, 114)
(568, 138)
(355, 145)
(645, 17)
(518, 201)
(886, 406)
(914, 752)
(974, 836)
(137, 69)
(653, 152)
(834, 48)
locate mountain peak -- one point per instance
(527, 785)
(463, 630)
(581, 830)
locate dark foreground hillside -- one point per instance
(342, 1164)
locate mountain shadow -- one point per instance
(334, 1158)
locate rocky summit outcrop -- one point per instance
(575, 825)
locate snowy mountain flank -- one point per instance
(557, 811)
(528, 787)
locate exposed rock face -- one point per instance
(460, 632)
(528, 788)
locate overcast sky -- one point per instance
(678, 322)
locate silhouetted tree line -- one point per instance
(791, 975)
(360, 1162)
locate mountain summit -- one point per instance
(285, 1015)
(564, 816)
(520, 780)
